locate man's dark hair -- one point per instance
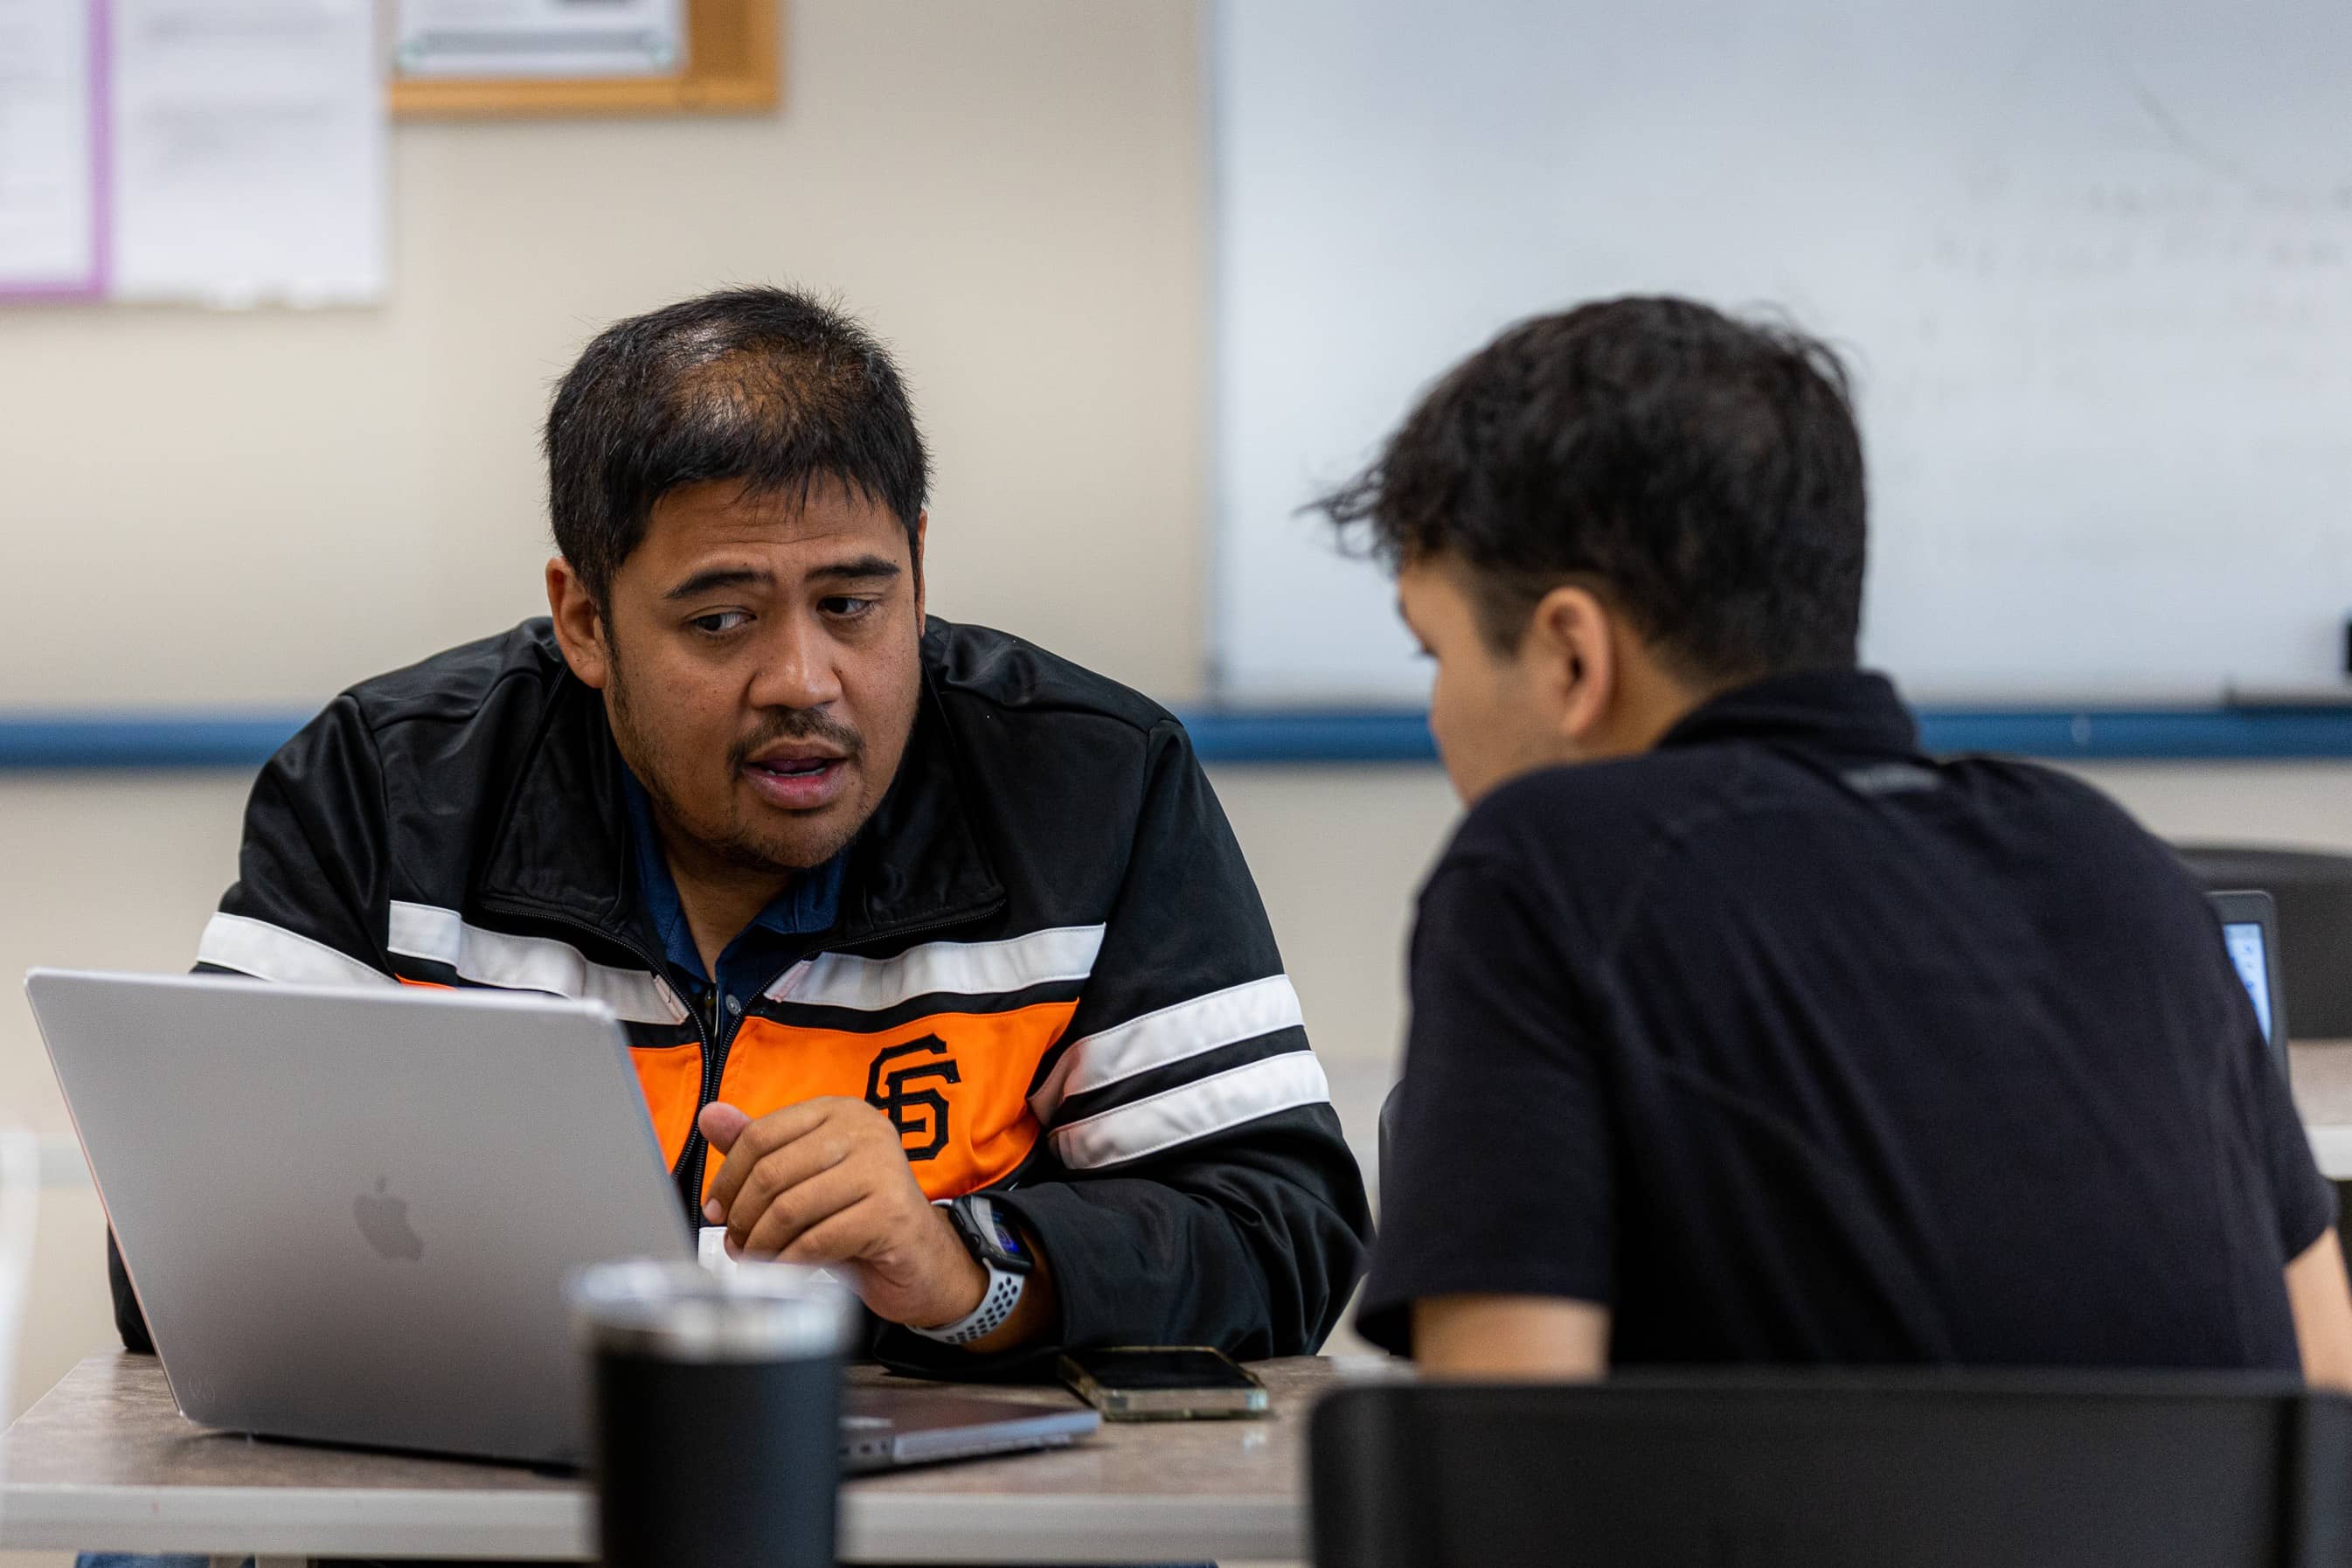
(763, 385)
(1702, 475)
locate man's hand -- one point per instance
(827, 1182)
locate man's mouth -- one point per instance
(798, 782)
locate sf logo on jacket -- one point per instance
(920, 1115)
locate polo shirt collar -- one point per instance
(1845, 710)
(807, 907)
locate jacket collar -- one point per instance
(563, 850)
(1844, 711)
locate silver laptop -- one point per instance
(350, 1215)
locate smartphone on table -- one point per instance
(1164, 1383)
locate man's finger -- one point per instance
(793, 1211)
(722, 1123)
(813, 1152)
(753, 1143)
(840, 1236)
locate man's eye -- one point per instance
(843, 607)
(719, 621)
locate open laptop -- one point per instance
(2250, 932)
(350, 1215)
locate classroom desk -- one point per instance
(105, 1463)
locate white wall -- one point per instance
(201, 508)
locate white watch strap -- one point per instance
(1004, 1294)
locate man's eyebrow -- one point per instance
(863, 566)
(716, 577)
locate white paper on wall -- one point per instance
(51, 141)
(249, 151)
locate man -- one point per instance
(898, 913)
(1742, 1030)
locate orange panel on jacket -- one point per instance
(956, 1084)
(671, 1077)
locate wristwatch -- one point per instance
(995, 1246)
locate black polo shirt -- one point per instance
(1790, 1044)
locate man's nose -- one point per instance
(797, 667)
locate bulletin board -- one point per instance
(734, 58)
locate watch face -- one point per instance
(989, 1231)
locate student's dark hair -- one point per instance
(1702, 475)
(765, 386)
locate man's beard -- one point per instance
(724, 840)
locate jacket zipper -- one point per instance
(715, 1044)
(697, 1153)
(714, 1061)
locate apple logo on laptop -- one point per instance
(384, 1220)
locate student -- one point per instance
(1742, 1030)
(897, 912)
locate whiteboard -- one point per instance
(2091, 265)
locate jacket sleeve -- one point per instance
(1196, 1189)
(310, 901)
(308, 906)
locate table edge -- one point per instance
(295, 1521)
(875, 1526)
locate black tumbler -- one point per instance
(718, 1412)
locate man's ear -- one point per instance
(579, 625)
(1571, 649)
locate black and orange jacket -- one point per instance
(1051, 968)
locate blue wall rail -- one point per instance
(243, 739)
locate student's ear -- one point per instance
(1571, 645)
(579, 625)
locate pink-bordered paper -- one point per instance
(97, 283)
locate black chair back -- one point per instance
(1909, 1471)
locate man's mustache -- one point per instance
(797, 724)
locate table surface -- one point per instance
(105, 1462)
(2320, 1073)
